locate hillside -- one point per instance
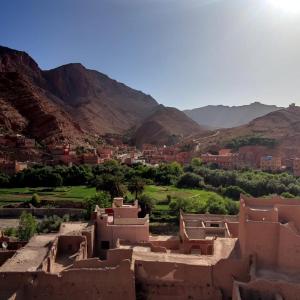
(74, 103)
(220, 116)
(282, 125)
(165, 126)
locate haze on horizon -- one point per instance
(185, 54)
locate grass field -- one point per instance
(160, 193)
(74, 193)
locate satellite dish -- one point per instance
(4, 245)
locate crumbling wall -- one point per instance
(109, 283)
(268, 290)
(226, 271)
(114, 257)
(167, 280)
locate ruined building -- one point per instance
(254, 255)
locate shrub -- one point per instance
(27, 226)
(190, 180)
(35, 199)
(233, 192)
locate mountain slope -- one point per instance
(72, 103)
(98, 103)
(221, 116)
(165, 126)
(283, 126)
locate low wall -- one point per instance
(76, 284)
(174, 281)
(41, 212)
(114, 258)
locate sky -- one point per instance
(185, 53)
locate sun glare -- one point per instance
(291, 6)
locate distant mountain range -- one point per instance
(281, 125)
(72, 103)
(220, 116)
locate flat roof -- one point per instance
(223, 248)
(31, 256)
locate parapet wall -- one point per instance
(166, 280)
(76, 284)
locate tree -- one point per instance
(27, 226)
(111, 184)
(178, 204)
(216, 205)
(233, 192)
(102, 199)
(147, 204)
(189, 180)
(136, 186)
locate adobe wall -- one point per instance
(114, 257)
(69, 244)
(126, 212)
(226, 271)
(76, 284)
(262, 239)
(174, 281)
(233, 229)
(89, 233)
(289, 214)
(260, 289)
(111, 233)
(288, 250)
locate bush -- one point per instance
(287, 195)
(51, 223)
(102, 199)
(216, 205)
(147, 204)
(189, 180)
(233, 192)
(27, 226)
(35, 200)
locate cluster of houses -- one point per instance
(155, 155)
(253, 157)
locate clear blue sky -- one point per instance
(185, 53)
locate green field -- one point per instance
(160, 193)
(74, 193)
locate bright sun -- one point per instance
(291, 6)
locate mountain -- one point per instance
(74, 103)
(220, 116)
(282, 125)
(160, 128)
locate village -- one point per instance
(256, 157)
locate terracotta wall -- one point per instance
(110, 283)
(289, 250)
(226, 270)
(173, 281)
(262, 239)
(260, 289)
